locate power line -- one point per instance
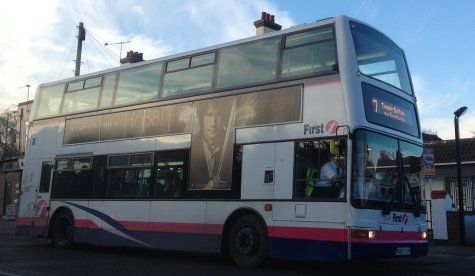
(99, 50)
(67, 58)
(118, 43)
(102, 43)
(96, 35)
(87, 60)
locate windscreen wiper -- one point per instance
(389, 206)
(406, 182)
(413, 197)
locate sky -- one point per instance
(38, 41)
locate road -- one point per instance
(25, 256)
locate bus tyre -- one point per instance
(63, 230)
(247, 241)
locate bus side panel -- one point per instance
(29, 190)
(318, 228)
(124, 219)
(258, 171)
(33, 212)
(170, 225)
(180, 225)
(318, 241)
(34, 208)
(284, 170)
(43, 139)
(308, 250)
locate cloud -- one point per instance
(139, 11)
(430, 99)
(445, 129)
(367, 9)
(40, 45)
(24, 27)
(438, 100)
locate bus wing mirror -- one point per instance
(348, 131)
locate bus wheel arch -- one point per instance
(245, 238)
(61, 229)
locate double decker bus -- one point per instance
(301, 144)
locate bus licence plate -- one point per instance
(403, 251)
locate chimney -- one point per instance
(132, 57)
(266, 24)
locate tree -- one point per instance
(429, 131)
(8, 146)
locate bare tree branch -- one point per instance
(8, 132)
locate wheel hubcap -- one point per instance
(65, 229)
(246, 241)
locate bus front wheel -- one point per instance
(63, 230)
(247, 241)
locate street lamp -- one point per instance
(457, 114)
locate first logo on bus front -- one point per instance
(401, 218)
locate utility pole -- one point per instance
(81, 37)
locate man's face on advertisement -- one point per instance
(212, 123)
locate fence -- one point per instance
(451, 185)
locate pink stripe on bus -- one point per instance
(326, 234)
(29, 221)
(85, 223)
(172, 227)
(215, 229)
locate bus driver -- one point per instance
(331, 178)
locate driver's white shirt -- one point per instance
(327, 171)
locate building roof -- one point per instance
(426, 137)
(445, 150)
(439, 194)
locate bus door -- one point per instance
(41, 210)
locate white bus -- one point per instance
(302, 144)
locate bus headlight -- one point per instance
(424, 235)
(363, 234)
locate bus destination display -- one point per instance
(391, 110)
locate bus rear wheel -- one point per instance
(63, 230)
(247, 241)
